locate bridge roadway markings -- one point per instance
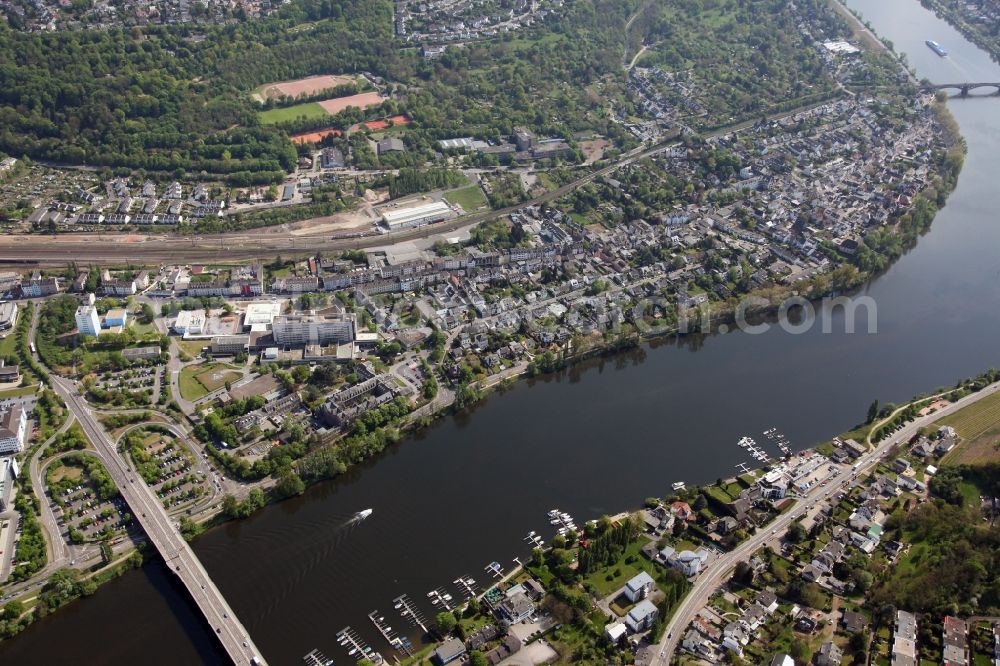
(164, 536)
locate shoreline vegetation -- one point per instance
(330, 460)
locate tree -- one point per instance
(797, 533)
(289, 485)
(743, 573)
(446, 622)
(477, 658)
(872, 411)
(800, 651)
(13, 610)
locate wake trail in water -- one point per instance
(315, 558)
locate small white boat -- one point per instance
(678, 485)
(353, 651)
(364, 513)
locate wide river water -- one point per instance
(595, 440)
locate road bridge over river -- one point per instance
(963, 88)
(163, 534)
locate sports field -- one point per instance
(361, 100)
(309, 110)
(327, 107)
(307, 86)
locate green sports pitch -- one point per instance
(309, 110)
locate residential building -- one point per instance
(904, 640)
(773, 485)
(782, 660)
(88, 322)
(38, 287)
(13, 425)
(642, 616)
(516, 608)
(956, 642)
(829, 655)
(313, 329)
(639, 586)
(615, 631)
(449, 651)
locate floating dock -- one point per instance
(410, 613)
(317, 658)
(357, 647)
(467, 585)
(399, 643)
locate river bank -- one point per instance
(597, 436)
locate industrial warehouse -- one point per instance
(407, 218)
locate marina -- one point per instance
(410, 612)
(357, 647)
(467, 586)
(399, 643)
(317, 658)
(755, 451)
(778, 439)
(535, 540)
(440, 598)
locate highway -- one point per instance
(720, 570)
(162, 533)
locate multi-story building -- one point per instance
(313, 329)
(8, 472)
(12, 427)
(8, 315)
(88, 322)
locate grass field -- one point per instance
(215, 377)
(197, 381)
(469, 198)
(19, 391)
(309, 110)
(625, 571)
(7, 344)
(979, 426)
(192, 347)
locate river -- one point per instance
(594, 440)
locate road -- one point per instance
(163, 534)
(719, 571)
(259, 244)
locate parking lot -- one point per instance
(84, 508)
(166, 466)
